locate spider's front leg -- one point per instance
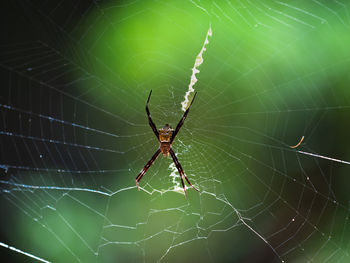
(148, 165)
(181, 122)
(150, 121)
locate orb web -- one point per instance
(74, 132)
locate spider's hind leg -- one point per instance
(190, 183)
(181, 172)
(183, 185)
(148, 165)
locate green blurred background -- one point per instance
(74, 133)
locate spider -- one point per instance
(165, 136)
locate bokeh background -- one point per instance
(75, 76)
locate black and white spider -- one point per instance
(165, 136)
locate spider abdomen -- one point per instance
(165, 148)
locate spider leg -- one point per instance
(150, 121)
(181, 171)
(182, 181)
(181, 122)
(148, 165)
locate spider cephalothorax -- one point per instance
(165, 133)
(166, 136)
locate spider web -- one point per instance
(74, 132)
